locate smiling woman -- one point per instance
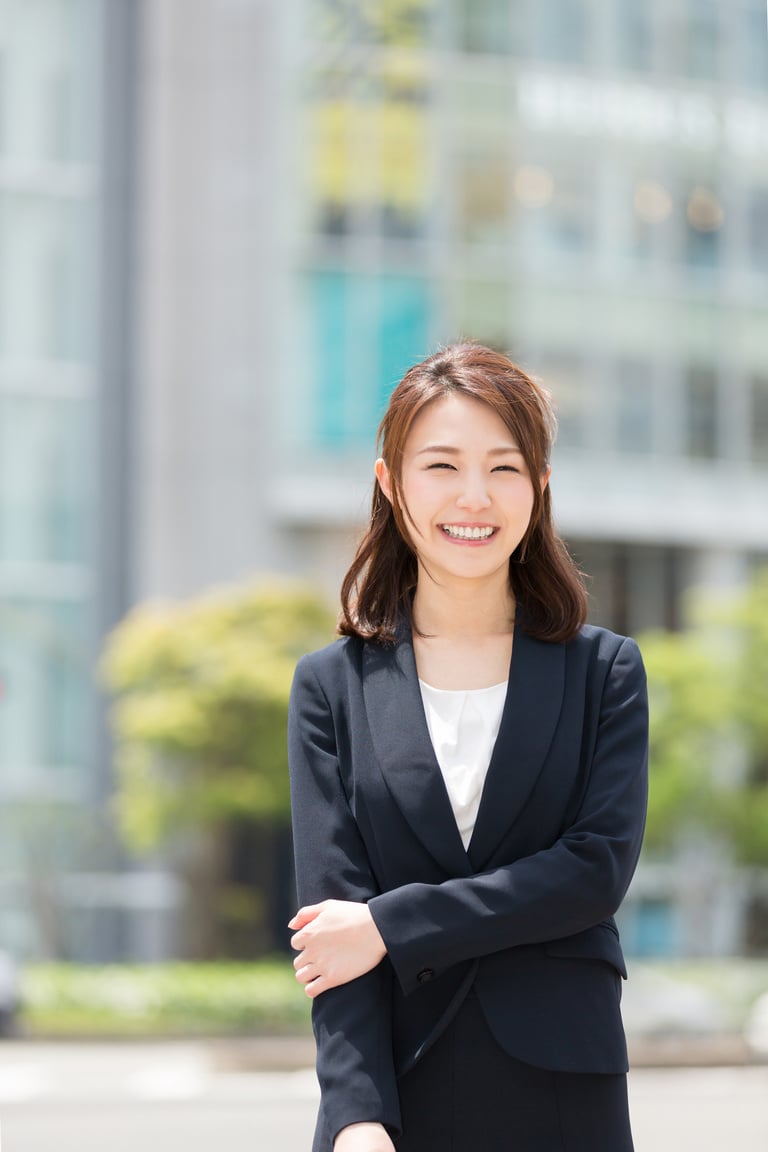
(468, 781)
(465, 430)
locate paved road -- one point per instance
(171, 1097)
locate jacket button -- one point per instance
(425, 975)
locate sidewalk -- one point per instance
(285, 1054)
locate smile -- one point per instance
(465, 532)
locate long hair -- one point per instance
(544, 579)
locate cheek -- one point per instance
(420, 495)
(525, 502)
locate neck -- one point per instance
(464, 608)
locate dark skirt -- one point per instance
(467, 1095)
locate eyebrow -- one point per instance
(452, 450)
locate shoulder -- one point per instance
(602, 649)
(593, 637)
(329, 665)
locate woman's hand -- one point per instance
(337, 941)
(363, 1138)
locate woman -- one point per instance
(468, 774)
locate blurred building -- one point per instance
(67, 106)
(224, 242)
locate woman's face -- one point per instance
(466, 487)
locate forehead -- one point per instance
(458, 420)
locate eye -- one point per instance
(440, 464)
(505, 468)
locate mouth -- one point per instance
(472, 532)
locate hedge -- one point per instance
(167, 999)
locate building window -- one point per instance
(750, 24)
(633, 587)
(649, 927)
(405, 24)
(565, 375)
(46, 683)
(634, 394)
(757, 229)
(3, 99)
(46, 276)
(634, 35)
(484, 190)
(703, 38)
(701, 412)
(556, 209)
(489, 26)
(46, 661)
(484, 312)
(365, 331)
(704, 223)
(759, 419)
(65, 683)
(368, 154)
(560, 30)
(45, 479)
(652, 228)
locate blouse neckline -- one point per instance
(462, 691)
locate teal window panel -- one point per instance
(652, 928)
(365, 331)
(46, 479)
(403, 330)
(329, 320)
(45, 667)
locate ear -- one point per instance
(383, 477)
(545, 475)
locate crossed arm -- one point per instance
(577, 882)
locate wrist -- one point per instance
(367, 1134)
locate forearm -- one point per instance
(555, 893)
(352, 1026)
(363, 1138)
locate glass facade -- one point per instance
(526, 172)
(50, 61)
(580, 182)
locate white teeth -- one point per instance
(460, 532)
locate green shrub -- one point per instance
(167, 999)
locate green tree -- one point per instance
(708, 691)
(745, 808)
(689, 715)
(200, 704)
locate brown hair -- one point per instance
(546, 583)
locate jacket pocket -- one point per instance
(598, 943)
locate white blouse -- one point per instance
(463, 725)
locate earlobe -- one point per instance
(382, 475)
(545, 475)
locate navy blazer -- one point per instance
(525, 914)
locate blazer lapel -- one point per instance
(528, 722)
(404, 750)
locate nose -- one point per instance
(474, 495)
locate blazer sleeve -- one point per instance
(574, 884)
(352, 1023)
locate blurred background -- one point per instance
(227, 227)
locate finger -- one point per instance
(298, 941)
(317, 985)
(305, 915)
(306, 974)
